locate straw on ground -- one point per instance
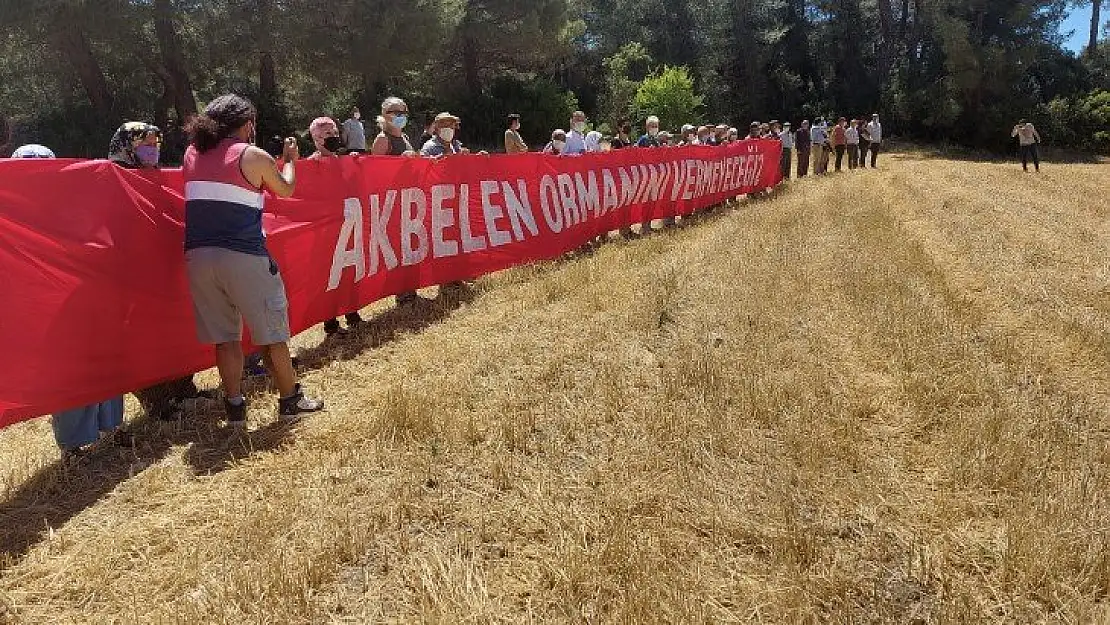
(878, 397)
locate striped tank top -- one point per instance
(222, 209)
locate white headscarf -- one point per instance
(33, 150)
(593, 141)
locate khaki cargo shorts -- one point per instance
(228, 287)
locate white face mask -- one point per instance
(559, 145)
(652, 131)
(447, 134)
(580, 126)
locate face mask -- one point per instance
(333, 144)
(653, 131)
(559, 145)
(400, 121)
(580, 126)
(447, 134)
(147, 155)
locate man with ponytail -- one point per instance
(231, 274)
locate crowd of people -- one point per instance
(855, 139)
(233, 279)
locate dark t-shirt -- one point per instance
(647, 141)
(802, 139)
(618, 143)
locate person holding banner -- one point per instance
(624, 135)
(688, 134)
(137, 145)
(443, 141)
(514, 143)
(33, 150)
(232, 276)
(77, 428)
(391, 141)
(328, 140)
(557, 144)
(576, 137)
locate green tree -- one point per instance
(624, 71)
(670, 96)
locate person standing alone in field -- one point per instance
(1028, 138)
(232, 276)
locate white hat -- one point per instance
(33, 150)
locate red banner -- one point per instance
(92, 266)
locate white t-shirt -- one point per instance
(576, 143)
(875, 129)
(354, 134)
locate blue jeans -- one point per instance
(82, 426)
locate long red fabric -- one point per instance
(92, 270)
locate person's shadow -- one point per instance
(387, 327)
(58, 492)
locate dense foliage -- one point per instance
(953, 70)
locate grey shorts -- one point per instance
(228, 287)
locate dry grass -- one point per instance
(880, 397)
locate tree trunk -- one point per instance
(887, 47)
(70, 39)
(904, 27)
(178, 86)
(471, 51)
(1096, 21)
(268, 122)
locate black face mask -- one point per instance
(333, 144)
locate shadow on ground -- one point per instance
(62, 490)
(910, 152)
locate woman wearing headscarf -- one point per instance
(593, 141)
(77, 428)
(137, 145)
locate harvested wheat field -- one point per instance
(877, 397)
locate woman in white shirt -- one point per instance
(851, 134)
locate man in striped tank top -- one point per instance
(231, 274)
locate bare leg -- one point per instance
(229, 360)
(280, 365)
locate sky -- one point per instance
(1080, 21)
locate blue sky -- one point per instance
(1080, 22)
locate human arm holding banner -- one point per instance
(110, 281)
(260, 168)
